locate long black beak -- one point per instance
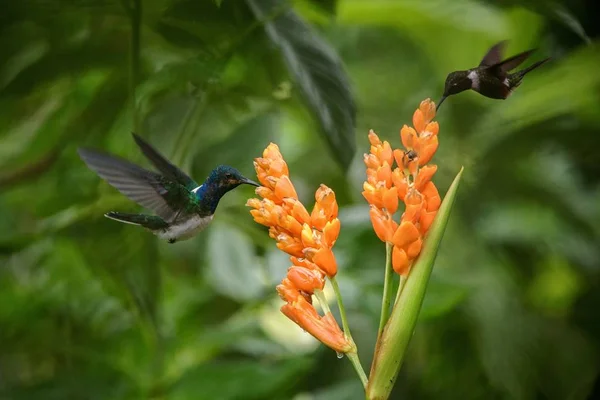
(250, 182)
(440, 102)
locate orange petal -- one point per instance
(428, 149)
(400, 261)
(390, 200)
(424, 176)
(371, 161)
(373, 138)
(287, 291)
(292, 247)
(432, 197)
(405, 235)
(384, 174)
(413, 250)
(292, 225)
(427, 107)
(297, 210)
(433, 128)
(409, 136)
(284, 188)
(426, 220)
(308, 237)
(305, 279)
(418, 120)
(382, 228)
(331, 231)
(325, 259)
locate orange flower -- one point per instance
(307, 237)
(409, 182)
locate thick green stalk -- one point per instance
(391, 346)
(387, 289)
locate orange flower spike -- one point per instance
(305, 279)
(400, 261)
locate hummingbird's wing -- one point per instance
(146, 188)
(502, 68)
(164, 165)
(494, 55)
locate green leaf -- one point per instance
(238, 380)
(393, 343)
(317, 70)
(234, 270)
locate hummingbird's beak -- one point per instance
(440, 102)
(250, 182)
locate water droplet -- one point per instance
(340, 355)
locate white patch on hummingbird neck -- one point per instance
(185, 229)
(474, 77)
(196, 189)
(506, 83)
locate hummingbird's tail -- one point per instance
(517, 77)
(147, 221)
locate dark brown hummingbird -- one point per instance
(491, 77)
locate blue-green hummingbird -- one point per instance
(183, 208)
(491, 77)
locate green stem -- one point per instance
(353, 357)
(400, 287)
(387, 289)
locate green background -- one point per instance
(93, 309)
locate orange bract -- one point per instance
(307, 237)
(409, 182)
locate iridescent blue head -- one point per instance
(220, 181)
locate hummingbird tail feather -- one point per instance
(533, 66)
(147, 221)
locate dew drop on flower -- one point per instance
(340, 355)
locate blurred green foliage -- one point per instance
(92, 309)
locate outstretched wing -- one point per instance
(146, 188)
(501, 69)
(164, 165)
(494, 55)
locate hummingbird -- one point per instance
(491, 77)
(183, 208)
